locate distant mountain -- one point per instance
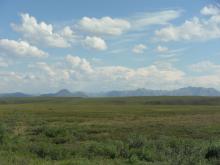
(61, 93)
(188, 91)
(16, 94)
(195, 91)
(79, 94)
(137, 92)
(65, 93)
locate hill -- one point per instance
(65, 93)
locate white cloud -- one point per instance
(194, 29)
(43, 33)
(209, 75)
(162, 49)
(115, 26)
(205, 66)
(150, 73)
(142, 20)
(50, 74)
(75, 72)
(120, 77)
(104, 25)
(67, 33)
(139, 49)
(79, 63)
(63, 74)
(210, 80)
(210, 10)
(20, 48)
(45, 67)
(3, 63)
(8, 76)
(189, 30)
(81, 75)
(95, 43)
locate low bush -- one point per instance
(102, 149)
(53, 152)
(52, 132)
(2, 133)
(213, 153)
(136, 141)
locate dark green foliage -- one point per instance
(136, 141)
(2, 133)
(53, 132)
(48, 151)
(213, 152)
(102, 149)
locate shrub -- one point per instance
(60, 140)
(133, 159)
(185, 152)
(124, 151)
(2, 133)
(136, 141)
(38, 130)
(54, 152)
(102, 149)
(54, 132)
(213, 153)
(41, 150)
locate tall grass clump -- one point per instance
(2, 133)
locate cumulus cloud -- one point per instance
(20, 48)
(162, 49)
(104, 25)
(204, 66)
(208, 80)
(95, 43)
(81, 75)
(49, 73)
(150, 73)
(79, 63)
(195, 28)
(120, 77)
(67, 33)
(210, 10)
(209, 75)
(117, 26)
(43, 33)
(139, 49)
(78, 72)
(8, 76)
(72, 70)
(45, 67)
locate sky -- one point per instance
(95, 46)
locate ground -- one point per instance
(133, 130)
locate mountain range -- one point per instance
(187, 91)
(65, 93)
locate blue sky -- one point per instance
(46, 45)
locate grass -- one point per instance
(134, 130)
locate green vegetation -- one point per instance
(113, 131)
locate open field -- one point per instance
(135, 130)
